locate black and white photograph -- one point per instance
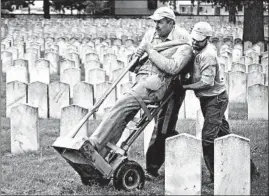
(134, 97)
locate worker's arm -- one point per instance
(206, 81)
(172, 65)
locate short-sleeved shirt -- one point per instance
(207, 70)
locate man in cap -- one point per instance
(210, 89)
(153, 79)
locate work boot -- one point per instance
(150, 174)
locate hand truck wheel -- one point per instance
(129, 175)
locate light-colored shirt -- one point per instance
(171, 61)
(207, 70)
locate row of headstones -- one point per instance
(244, 102)
(103, 54)
(183, 168)
(51, 98)
(183, 165)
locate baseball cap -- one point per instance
(162, 12)
(201, 30)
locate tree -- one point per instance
(46, 8)
(253, 16)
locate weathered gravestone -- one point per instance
(99, 91)
(66, 64)
(96, 76)
(17, 73)
(237, 95)
(7, 60)
(70, 116)
(191, 104)
(183, 165)
(41, 71)
(238, 67)
(31, 58)
(255, 67)
(92, 64)
(255, 77)
(53, 58)
(258, 102)
(14, 52)
(38, 97)
(59, 97)
(83, 95)
(24, 129)
(232, 165)
(16, 93)
(71, 76)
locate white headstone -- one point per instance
(237, 95)
(14, 52)
(17, 73)
(41, 72)
(16, 93)
(183, 165)
(53, 58)
(199, 123)
(24, 129)
(238, 67)
(99, 91)
(258, 102)
(71, 76)
(255, 77)
(59, 97)
(192, 104)
(96, 76)
(70, 116)
(255, 67)
(91, 56)
(38, 97)
(31, 58)
(7, 60)
(83, 95)
(232, 165)
(66, 64)
(74, 57)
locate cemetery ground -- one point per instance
(46, 172)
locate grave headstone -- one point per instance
(16, 93)
(24, 129)
(53, 58)
(255, 77)
(238, 67)
(192, 103)
(237, 95)
(38, 97)
(258, 102)
(70, 116)
(71, 76)
(232, 165)
(59, 97)
(96, 76)
(17, 73)
(255, 67)
(183, 165)
(66, 64)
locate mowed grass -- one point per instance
(46, 172)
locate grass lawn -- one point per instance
(46, 172)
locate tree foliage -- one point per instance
(8, 4)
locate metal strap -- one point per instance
(142, 104)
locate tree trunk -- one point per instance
(198, 7)
(232, 12)
(253, 22)
(46, 9)
(29, 9)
